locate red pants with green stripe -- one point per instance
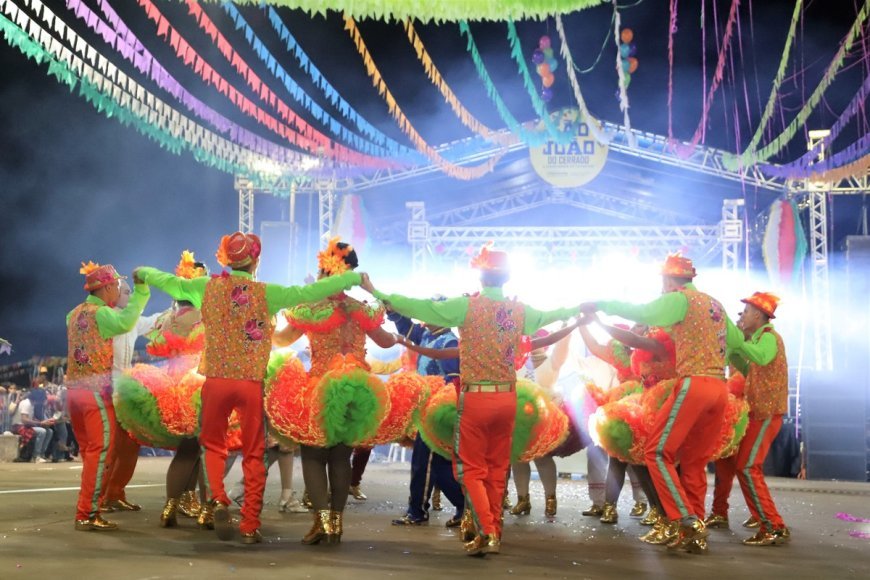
(686, 431)
(482, 454)
(748, 465)
(219, 398)
(120, 465)
(92, 417)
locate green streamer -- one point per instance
(752, 156)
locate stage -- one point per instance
(37, 537)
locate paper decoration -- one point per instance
(784, 246)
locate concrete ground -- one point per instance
(37, 538)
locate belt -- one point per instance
(503, 388)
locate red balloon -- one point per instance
(626, 35)
(632, 64)
(544, 69)
(548, 80)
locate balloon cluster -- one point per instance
(546, 65)
(627, 50)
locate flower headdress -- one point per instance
(97, 276)
(489, 259)
(238, 250)
(187, 267)
(331, 260)
(678, 266)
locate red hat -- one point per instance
(97, 276)
(489, 259)
(764, 301)
(238, 250)
(678, 266)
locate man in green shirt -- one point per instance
(90, 329)
(237, 313)
(490, 328)
(687, 425)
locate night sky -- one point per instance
(78, 186)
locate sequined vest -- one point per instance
(238, 329)
(349, 338)
(89, 363)
(700, 338)
(490, 341)
(767, 386)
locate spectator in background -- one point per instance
(26, 426)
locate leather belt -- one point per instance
(503, 388)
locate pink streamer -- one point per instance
(672, 30)
(850, 518)
(685, 150)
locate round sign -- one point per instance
(574, 163)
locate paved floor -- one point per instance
(37, 538)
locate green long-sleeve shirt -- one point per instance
(277, 296)
(761, 349)
(666, 310)
(451, 312)
(111, 322)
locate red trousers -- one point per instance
(482, 454)
(219, 398)
(92, 417)
(120, 465)
(685, 431)
(747, 464)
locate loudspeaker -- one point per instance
(275, 260)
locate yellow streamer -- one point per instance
(463, 114)
(857, 168)
(451, 169)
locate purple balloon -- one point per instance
(632, 49)
(547, 94)
(538, 57)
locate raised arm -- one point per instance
(630, 339)
(597, 350)
(535, 319)
(286, 336)
(279, 297)
(113, 322)
(666, 310)
(381, 337)
(433, 353)
(178, 288)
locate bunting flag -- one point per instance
(332, 95)
(436, 10)
(374, 143)
(784, 246)
(527, 135)
(451, 169)
(131, 105)
(132, 50)
(752, 156)
(463, 114)
(597, 132)
(293, 129)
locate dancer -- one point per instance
(91, 328)
(122, 460)
(236, 313)
(686, 426)
(605, 474)
(336, 328)
(428, 469)
(491, 327)
(763, 362)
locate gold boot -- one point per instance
(477, 546)
(751, 523)
(493, 544)
(638, 510)
(223, 524)
(761, 538)
(167, 516)
(595, 511)
(689, 534)
(467, 530)
(205, 519)
(716, 521)
(655, 535)
(357, 493)
(523, 506)
(651, 517)
(609, 515)
(436, 499)
(188, 504)
(95, 523)
(550, 506)
(783, 536)
(506, 502)
(337, 527)
(321, 530)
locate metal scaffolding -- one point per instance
(325, 211)
(245, 189)
(732, 235)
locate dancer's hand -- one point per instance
(366, 283)
(136, 278)
(588, 308)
